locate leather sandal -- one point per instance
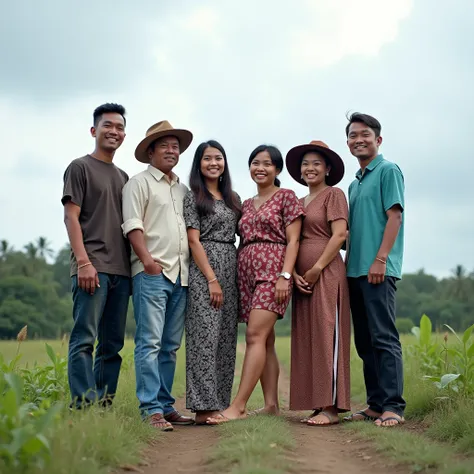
(158, 421)
(332, 419)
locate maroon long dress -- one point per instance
(321, 327)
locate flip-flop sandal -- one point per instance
(333, 420)
(364, 415)
(315, 412)
(399, 421)
(213, 420)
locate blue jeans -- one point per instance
(159, 308)
(100, 316)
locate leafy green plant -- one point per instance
(8, 367)
(48, 382)
(461, 359)
(23, 436)
(427, 349)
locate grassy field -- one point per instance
(440, 424)
(438, 437)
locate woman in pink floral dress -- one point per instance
(269, 232)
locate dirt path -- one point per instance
(328, 450)
(184, 450)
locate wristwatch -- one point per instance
(285, 275)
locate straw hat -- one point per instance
(162, 129)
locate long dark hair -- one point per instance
(197, 183)
(275, 156)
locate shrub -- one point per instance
(404, 325)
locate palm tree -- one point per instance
(31, 251)
(44, 247)
(5, 249)
(459, 287)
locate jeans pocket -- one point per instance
(73, 283)
(149, 275)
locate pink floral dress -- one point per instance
(263, 236)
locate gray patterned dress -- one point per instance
(211, 334)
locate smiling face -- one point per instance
(314, 169)
(164, 154)
(262, 169)
(362, 142)
(109, 132)
(212, 164)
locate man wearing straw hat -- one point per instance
(154, 224)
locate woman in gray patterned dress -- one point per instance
(211, 213)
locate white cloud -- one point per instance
(340, 28)
(239, 72)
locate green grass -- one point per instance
(258, 444)
(410, 448)
(31, 351)
(440, 435)
(446, 425)
(97, 439)
(255, 445)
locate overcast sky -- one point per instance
(244, 73)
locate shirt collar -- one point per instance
(371, 166)
(159, 175)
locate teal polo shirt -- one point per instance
(371, 195)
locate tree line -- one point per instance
(35, 290)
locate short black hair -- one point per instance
(108, 108)
(368, 120)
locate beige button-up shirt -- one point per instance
(154, 205)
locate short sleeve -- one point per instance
(393, 188)
(291, 208)
(74, 184)
(336, 206)
(191, 216)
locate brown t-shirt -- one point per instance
(96, 187)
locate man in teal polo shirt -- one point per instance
(374, 264)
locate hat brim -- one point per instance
(295, 155)
(185, 137)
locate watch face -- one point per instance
(285, 275)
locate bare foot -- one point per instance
(229, 414)
(315, 412)
(363, 415)
(389, 419)
(203, 415)
(271, 410)
(325, 418)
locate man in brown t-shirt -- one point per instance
(100, 261)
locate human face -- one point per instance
(362, 142)
(165, 154)
(212, 163)
(262, 169)
(313, 169)
(109, 132)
